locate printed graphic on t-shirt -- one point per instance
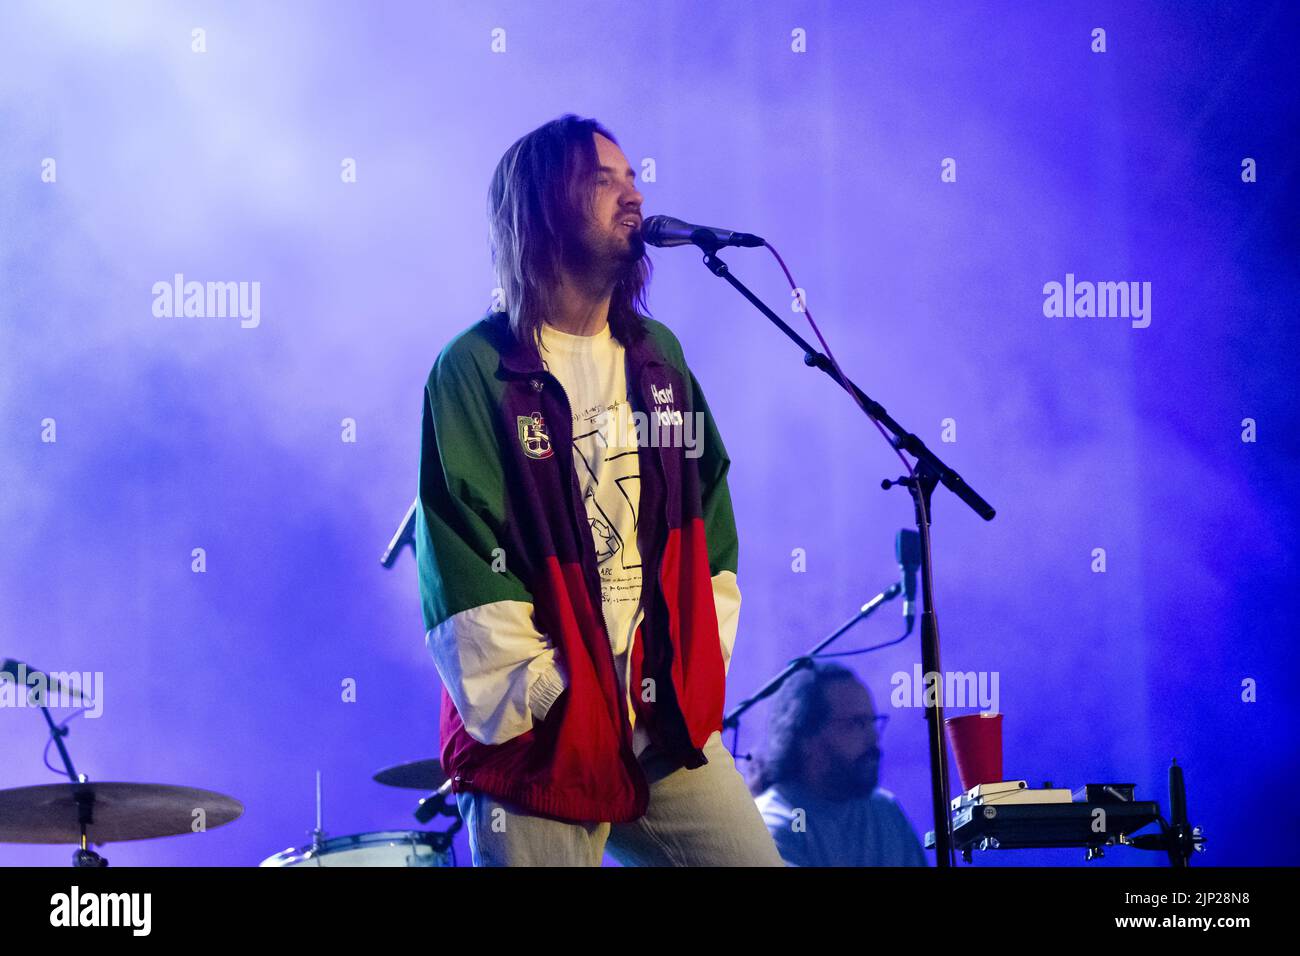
(610, 479)
(592, 371)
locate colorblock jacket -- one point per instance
(532, 712)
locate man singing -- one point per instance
(576, 543)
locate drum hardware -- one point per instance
(439, 804)
(87, 813)
(413, 775)
(387, 848)
(318, 832)
(426, 775)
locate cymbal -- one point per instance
(119, 812)
(415, 775)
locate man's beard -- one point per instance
(859, 778)
(604, 256)
(635, 247)
(620, 259)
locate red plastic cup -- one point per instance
(977, 745)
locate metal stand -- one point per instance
(732, 720)
(83, 855)
(440, 804)
(928, 472)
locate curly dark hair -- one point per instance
(538, 202)
(799, 710)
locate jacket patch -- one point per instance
(532, 436)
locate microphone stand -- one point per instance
(930, 471)
(83, 855)
(13, 670)
(438, 804)
(405, 535)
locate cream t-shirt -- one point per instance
(593, 372)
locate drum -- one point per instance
(384, 848)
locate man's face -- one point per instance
(613, 231)
(849, 740)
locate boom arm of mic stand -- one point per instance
(10, 670)
(902, 439)
(732, 720)
(929, 471)
(405, 535)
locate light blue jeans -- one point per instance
(700, 817)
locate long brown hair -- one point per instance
(538, 202)
(799, 710)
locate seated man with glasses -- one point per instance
(817, 781)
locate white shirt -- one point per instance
(862, 831)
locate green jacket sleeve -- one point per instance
(500, 671)
(714, 464)
(719, 519)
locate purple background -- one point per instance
(1084, 433)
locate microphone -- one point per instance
(434, 804)
(43, 687)
(666, 231)
(907, 549)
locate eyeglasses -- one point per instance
(861, 722)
